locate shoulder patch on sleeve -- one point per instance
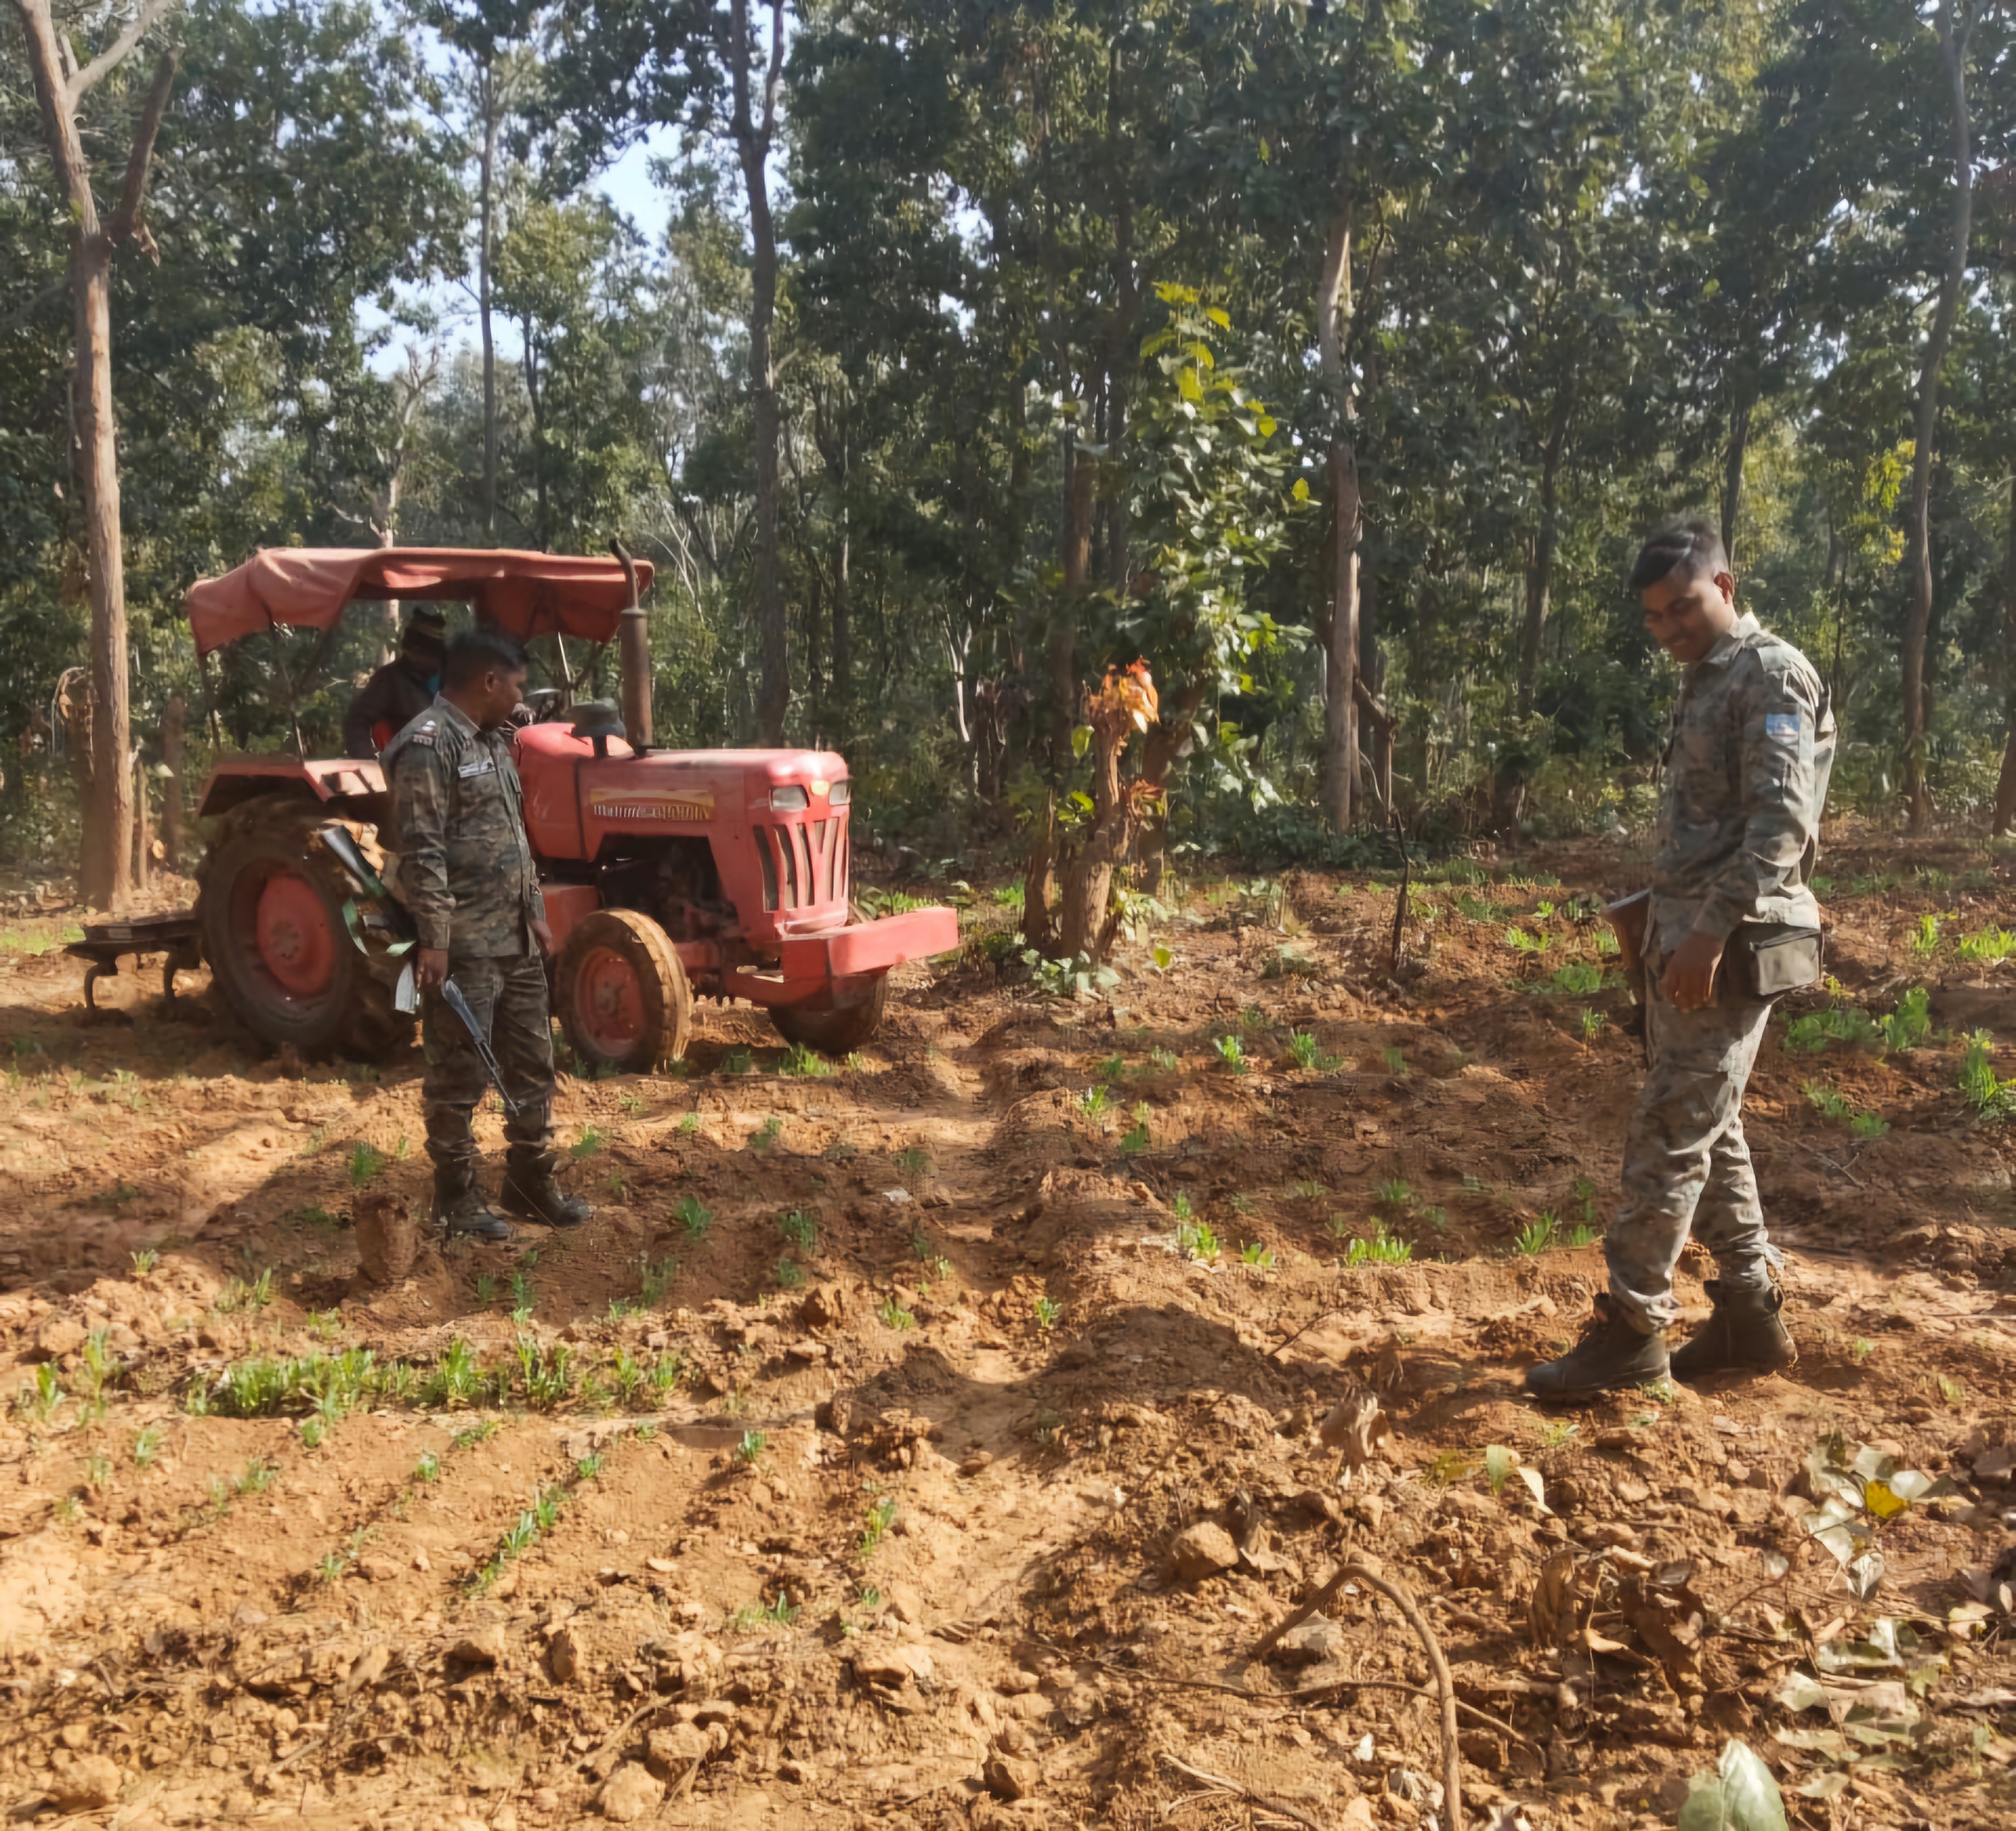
(425, 734)
(1782, 727)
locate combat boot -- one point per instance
(459, 1207)
(534, 1191)
(1743, 1334)
(1612, 1354)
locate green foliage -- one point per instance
(695, 1217)
(1382, 1248)
(1231, 1054)
(365, 1163)
(801, 1061)
(1195, 1240)
(1911, 1023)
(1993, 1100)
(893, 1316)
(1047, 1310)
(1537, 1234)
(587, 1144)
(1989, 948)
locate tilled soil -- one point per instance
(934, 1441)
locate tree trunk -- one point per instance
(1340, 767)
(106, 873)
(1164, 745)
(2005, 788)
(173, 719)
(1540, 562)
(1952, 33)
(752, 140)
(1077, 556)
(143, 838)
(1088, 887)
(487, 182)
(1732, 475)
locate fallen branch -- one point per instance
(1265, 1800)
(1445, 1684)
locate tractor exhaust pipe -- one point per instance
(636, 650)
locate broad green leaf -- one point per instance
(1499, 1463)
(1742, 1797)
(1081, 740)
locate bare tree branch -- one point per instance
(126, 224)
(119, 50)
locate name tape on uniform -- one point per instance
(482, 766)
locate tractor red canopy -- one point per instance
(530, 594)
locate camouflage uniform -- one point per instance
(1746, 779)
(466, 875)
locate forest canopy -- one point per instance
(1331, 359)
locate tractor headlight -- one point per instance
(838, 795)
(790, 800)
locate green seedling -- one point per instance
(1110, 1070)
(619, 1307)
(1991, 945)
(1436, 1218)
(693, 1217)
(486, 1289)
(1521, 942)
(1303, 1050)
(912, 1163)
(881, 1516)
(1869, 1125)
(587, 1144)
(365, 1163)
(146, 1447)
(1396, 1063)
(629, 1105)
(1381, 1248)
(1253, 1253)
(1048, 1310)
(737, 1062)
(144, 1261)
(1927, 940)
(1307, 1190)
(1861, 1349)
(311, 1434)
(804, 1063)
(766, 1134)
(428, 1468)
(1180, 1205)
(1231, 1054)
(1590, 1023)
(798, 1228)
(1092, 1101)
(1992, 1099)
(658, 1275)
(1165, 1059)
(1195, 1240)
(589, 1467)
(893, 1316)
(1396, 1192)
(1582, 1234)
(1553, 1435)
(790, 1274)
(688, 1124)
(749, 1451)
(1911, 1023)
(1135, 1139)
(1537, 1234)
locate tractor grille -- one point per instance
(805, 865)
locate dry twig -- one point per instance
(1445, 1684)
(1244, 1791)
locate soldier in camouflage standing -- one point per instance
(1731, 922)
(466, 873)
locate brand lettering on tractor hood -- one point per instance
(652, 804)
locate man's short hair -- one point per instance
(483, 651)
(1692, 549)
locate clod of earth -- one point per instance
(629, 1792)
(1201, 1551)
(88, 1784)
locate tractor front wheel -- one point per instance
(269, 907)
(832, 1029)
(622, 993)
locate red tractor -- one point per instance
(669, 875)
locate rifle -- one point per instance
(341, 845)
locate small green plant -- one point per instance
(1953, 1391)
(1499, 1463)
(311, 1434)
(365, 1163)
(523, 1295)
(1165, 1059)
(881, 1516)
(486, 1289)
(1828, 1101)
(456, 1378)
(1553, 1435)
(1521, 942)
(749, 1451)
(324, 1325)
(144, 1261)
(1382, 1249)
(256, 1476)
(1135, 1138)
(1253, 1253)
(695, 1219)
(1231, 1054)
(1927, 940)
(98, 1473)
(1991, 945)
(589, 1141)
(1537, 1234)
(1110, 1070)
(1992, 1100)
(1861, 1348)
(893, 1316)
(1396, 1063)
(1303, 1050)
(798, 1228)
(629, 1105)
(146, 1447)
(1437, 1218)
(766, 1134)
(1048, 1310)
(238, 1295)
(1181, 1207)
(1396, 1192)
(1868, 1125)
(1582, 1234)
(1093, 1100)
(1575, 979)
(658, 1275)
(1195, 1240)
(1590, 1023)
(1911, 1023)
(428, 1468)
(790, 1274)
(688, 1124)
(738, 1061)
(1307, 1190)
(912, 1163)
(805, 1063)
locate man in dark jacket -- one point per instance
(400, 691)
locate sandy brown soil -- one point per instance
(930, 1471)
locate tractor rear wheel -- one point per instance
(622, 993)
(833, 1030)
(269, 907)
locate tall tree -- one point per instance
(1953, 23)
(61, 85)
(707, 67)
